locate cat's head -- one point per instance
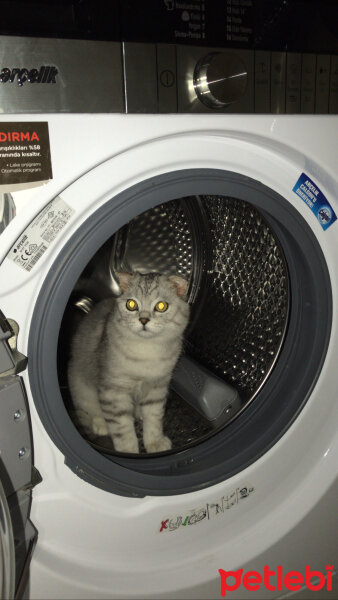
(152, 304)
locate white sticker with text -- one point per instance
(40, 234)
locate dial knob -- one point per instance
(220, 78)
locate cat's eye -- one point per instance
(161, 306)
(131, 304)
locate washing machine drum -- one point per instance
(254, 346)
(238, 292)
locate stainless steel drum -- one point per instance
(238, 291)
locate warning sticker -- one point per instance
(310, 193)
(40, 234)
(24, 153)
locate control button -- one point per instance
(333, 98)
(166, 78)
(293, 68)
(278, 62)
(220, 78)
(308, 85)
(262, 81)
(322, 84)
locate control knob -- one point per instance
(220, 78)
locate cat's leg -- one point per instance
(99, 426)
(118, 410)
(88, 414)
(153, 407)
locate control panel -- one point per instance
(64, 75)
(168, 78)
(169, 56)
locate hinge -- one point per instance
(11, 360)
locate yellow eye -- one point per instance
(131, 305)
(161, 306)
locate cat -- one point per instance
(122, 358)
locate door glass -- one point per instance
(238, 294)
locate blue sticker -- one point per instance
(316, 201)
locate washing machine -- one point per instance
(204, 145)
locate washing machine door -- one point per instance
(7, 210)
(7, 557)
(17, 473)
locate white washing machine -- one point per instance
(245, 206)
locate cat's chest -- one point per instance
(146, 361)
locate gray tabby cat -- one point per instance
(122, 359)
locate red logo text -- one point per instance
(19, 136)
(275, 580)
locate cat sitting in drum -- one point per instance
(122, 358)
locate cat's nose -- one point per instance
(144, 320)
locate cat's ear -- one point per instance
(124, 279)
(179, 284)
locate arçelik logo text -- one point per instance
(43, 74)
(291, 580)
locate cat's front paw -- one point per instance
(160, 444)
(129, 445)
(99, 426)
